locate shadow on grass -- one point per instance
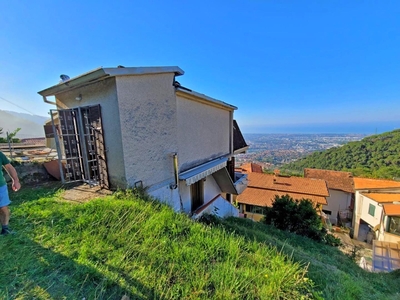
(30, 271)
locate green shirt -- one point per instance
(3, 161)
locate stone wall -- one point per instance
(30, 173)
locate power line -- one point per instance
(17, 105)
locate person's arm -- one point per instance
(14, 176)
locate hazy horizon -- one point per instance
(366, 128)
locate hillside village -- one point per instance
(275, 150)
(139, 127)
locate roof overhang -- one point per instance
(383, 197)
(195, 174)
(239, 143)
(191, 95)
(391, 209)
(103, 73)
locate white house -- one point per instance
(340, 202)
(134, 127)
(377, 210)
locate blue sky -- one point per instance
(290, 66)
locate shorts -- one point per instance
(4, 199)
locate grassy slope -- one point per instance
(123, 245)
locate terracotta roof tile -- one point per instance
(383, 197)
(308, 186)
(391, 209)
(251, 168)
(337, 180)
(368, 183)
(262, 197)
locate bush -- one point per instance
(14, 140)
(299, 217)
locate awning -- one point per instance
(193, 175)
(224, 181)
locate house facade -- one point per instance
(263, 188)
(341, 194)
(138, 127)
(377, 210)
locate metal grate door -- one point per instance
(80, 145)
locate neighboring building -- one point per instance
(49, 131)
(385, 256)
(138, 127)
(377, 210)
(250, 168)
(262, 189)
(341, 194)
(33, 141)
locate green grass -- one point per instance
(123, 245)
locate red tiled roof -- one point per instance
(307, 186)
(368, 183)
(383, 197)
(391, 209)
(251, 168)
(263, 197)
(337, 180)
(262, 189)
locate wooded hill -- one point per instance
(376, 156)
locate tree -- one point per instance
(299, 217)
(10, 136)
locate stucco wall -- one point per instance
(184, 192)
(147, 106)
(203, 132)
(211, 189)
(338, 200)
(168, 196)
(254, 217)
(371, 220)
(103, 93)
(389, 237)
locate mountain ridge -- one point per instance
(31, 125)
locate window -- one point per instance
(255, 209)
(197, 194)
(394, 225)
(371, 210)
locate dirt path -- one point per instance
(361, 250)
(83, 193)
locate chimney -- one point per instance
(276, 174)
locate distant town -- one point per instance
(274, 150)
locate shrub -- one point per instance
(300, 217)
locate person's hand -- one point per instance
(16, 186)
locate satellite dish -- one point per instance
(64, 77)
